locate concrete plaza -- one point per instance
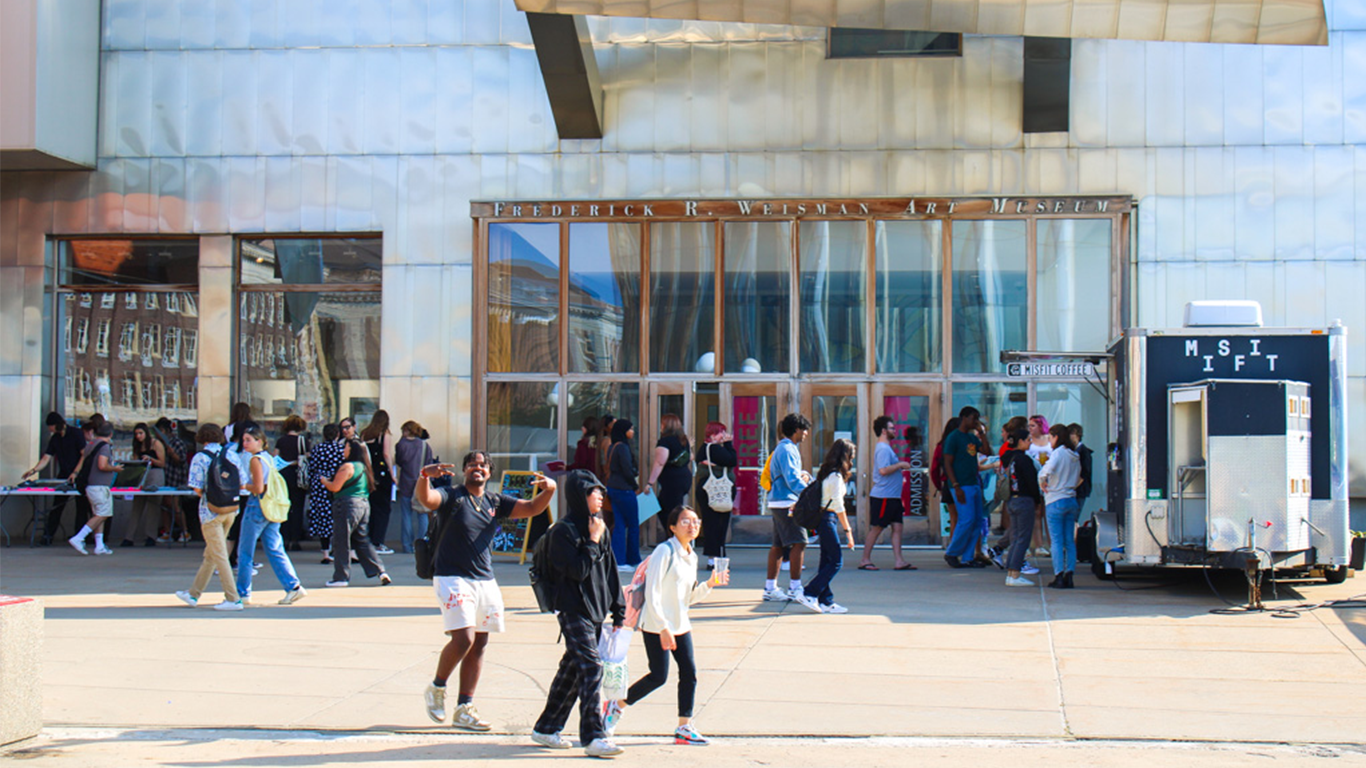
(941, 662)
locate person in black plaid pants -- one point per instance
(587, 590)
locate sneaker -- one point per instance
(384, 580)
(1018, 581)
(809, 602)
(611, 715)
(294, 595)
(467, 719)
(338, 584)
(953, 562)
(383, 550)
(187, 598)
(229, 605)
(435, 697)
(795, 594)
(602, 748)
(834, 608)
(163, 537)
(183, 538)
(686, 734)
(976, 564)
(776, 595)
(551, 740)
(77, 544)
(996, 559)
(103, 550)
(1029, 569)
(1043, 552)
(255, 569)
(623, 568)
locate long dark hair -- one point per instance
(378, 426)
(840, 458)
(241, 412)
(356, 451)
(145, 445)
(950, 427)
(253, 429)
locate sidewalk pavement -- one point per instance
(930, 653)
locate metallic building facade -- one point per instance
(226, 120)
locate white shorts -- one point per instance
(469, 603)
(101, 500)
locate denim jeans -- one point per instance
(626, 527)
(1021, 511)
(1062, 531)
(969, 528)
(832, 557)
(412, 525)
(256, 526)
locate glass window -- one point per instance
(851, 43)
(834, 282)
(1072, 304)
(191, 348)
(990, 293)
(522, 424)
(107, 300)
(758, 296)
(128, 341)
(102, 339)
(130, 300)
(149, 301)
(682, 297)
(1079, 403)
(598, 399)
(909, 295)
(524, 304)
(128, 262)
(170, 351)
(311, 261)
(832, 417)
(604, 298)
(998, 402)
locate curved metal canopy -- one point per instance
(1267, 22)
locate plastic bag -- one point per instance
(613, 646)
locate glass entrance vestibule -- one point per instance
(742, 311)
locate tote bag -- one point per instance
(719, 489)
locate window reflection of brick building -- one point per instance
(131, 355)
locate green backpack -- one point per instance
(275, 501)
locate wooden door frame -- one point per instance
(935, 392)
(812, 455)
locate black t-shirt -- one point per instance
(66, 449)
(467, 537)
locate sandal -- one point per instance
(906, 567)
(869, 567)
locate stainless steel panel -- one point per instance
(336, 22)
(70, 212)
(371, 23)
(132, 110)
(1126, 78)
(1334, 203)
(1249, 479)
(996, 17)
(956, 16)
(1346, 14)
(346, 113)
(747, 71)
(266, 26)
(418, 124)
(204, 105)
(1095, 18)
(1297, 280)
(1294, 203)
(274, 73)
(857, 107)
(1353, 474)
(162, 26)
(1334, 545)
(1096, 171)
(1353, 49)
(1048, 18)
(34, 220)
(33, 282)
(1089, 93)
(1242, 98)
(532, 179)
(708, 65)
(1204, 88)
(490, 72)
(197, 22)
(12, 312)
(381, 103)
(973, 118)
(1215, 235)
(167, 104)
(309, 102)
(1322, 94)
(232, 25)
(453, 118)
(1188, 21)
(911, 14)
(1145, 531)
(673, 89)
(22, 422)
(299, 23)
(283, 201)
(1282, 22)
(1234, 20)
(204, 193)
(382, 180)
(313, 194)
(139, 204)
(1283, 94)
(1255, 203)
(239, 103)
(246, 190)
(106, 197)
(125, 25)
(513, 27)
(1165, 95)
(482, 20)
(446, 22)
(1345, 284)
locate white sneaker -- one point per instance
(77, 544)
(467, 719)
(384, 580)
(626, 568)
(602, 748)
(383, 550)
(337, 584)
(1029, 569)
(1018, 581)
(103, 550)
(436, 703)
(294, 595)
(783, 567)
(551, 740)
(795, 594)
(1043, 552)
(187, 598)
(834, 608)
(776, 595)
(228, 605)
(809, 602)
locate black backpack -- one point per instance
(222, 483)
(544, 580)
(807, 512)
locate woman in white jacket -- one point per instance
(1059, 479)
(670, 587)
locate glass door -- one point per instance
(840, 411)
(915, 410)
(754, 412)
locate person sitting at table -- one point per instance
(65, 446)
(142, 523)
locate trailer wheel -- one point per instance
(1336, 575)
(1098, 568)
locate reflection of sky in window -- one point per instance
(590, 263)
(532, 244)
